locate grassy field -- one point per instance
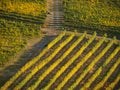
(93, 15)
(20, 20)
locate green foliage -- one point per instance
(30, 63)
(84, 60)
(40, 65)
(93, 15)
(31, 7)
(14, 36)
(111, 70)
(37, 64)
(20, 20)
(71, 60)
(35, 85)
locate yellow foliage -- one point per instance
(25, 8)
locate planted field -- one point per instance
(62, 60)
(26, 7)
(71, 62)
(20, 21)
(93, 15)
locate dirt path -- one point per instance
(54, 18)
(53, 26)
(33, 48)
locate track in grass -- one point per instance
(55, 16)
(73, 62)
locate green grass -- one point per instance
(93, 15)
(20, 21)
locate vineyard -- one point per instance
(71, 61)
(93, 15)
(18, 25)
(59, 45)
